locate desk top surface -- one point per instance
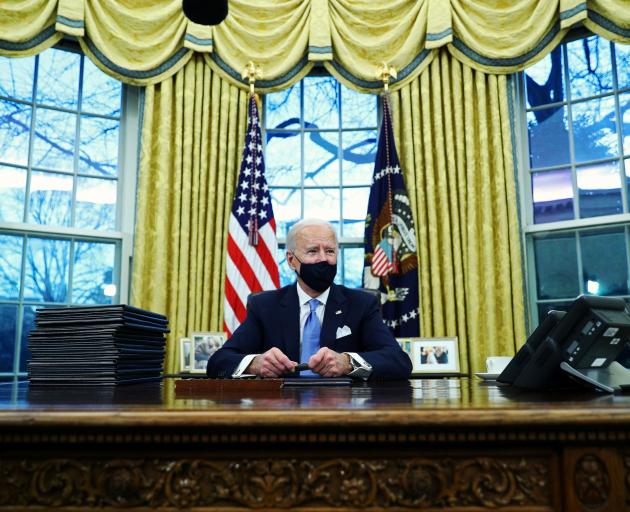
(429, 402)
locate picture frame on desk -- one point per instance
(204, 344)
(432, 356)
(185, 352)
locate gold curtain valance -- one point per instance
(145, 41)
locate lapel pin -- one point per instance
(338, 312)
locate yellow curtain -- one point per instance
(193, 129)
(452, 127)
(27, 28)
(275, 35)
(365, 33)
(146, 41)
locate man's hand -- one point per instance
(271, 364)
(329, 363)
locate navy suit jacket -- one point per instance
(273, 320)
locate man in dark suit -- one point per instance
(337, 331)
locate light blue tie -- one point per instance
(310, 337)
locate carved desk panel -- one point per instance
(452, 444)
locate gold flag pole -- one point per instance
(384, 73)
(252, 72)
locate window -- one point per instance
(577, 173)
(320, 150)
(61, 191)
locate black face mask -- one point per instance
(317, 276)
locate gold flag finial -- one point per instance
(252, 72)
(384, 73)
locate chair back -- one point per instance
(376, 293)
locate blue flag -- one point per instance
(391, 261)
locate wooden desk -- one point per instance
(454, 444)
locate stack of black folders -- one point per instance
(96, 346)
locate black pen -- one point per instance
(301, 367)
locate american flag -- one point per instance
(382, 260)
(252, 246)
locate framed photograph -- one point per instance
(432, 356)
(184, 355)
(204, 344)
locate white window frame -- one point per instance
(344, 242)
(122, 236)
(529, 229)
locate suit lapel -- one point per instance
(334, 317)
(290, 315)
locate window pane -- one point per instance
(354, 210)
(15, 125)
(309, 175)
(10, 266)
(552, 193)
(282, 109)
(47, 266)
(282, 159)
(50, 199)
(600, 189)
(623, 65)
(624, 109)
(588, 167)
(99, 146)
(359, 153)
(594, 129)
(16, 77)
(604, 275)
(95, 204)
(353, 266)
(590, 70)
(545, 80)
(321, 158)
(321, 102)
(58, 78)
(556, 266)
(287, 209)
(101, 93)
(53, 147)
(358, 110)
(323, 204)
(548, 137)
(28, 323)
(8, 323)
(42, 148)
(287, 276)
(340, 268)
(92, 276)
(12, 188)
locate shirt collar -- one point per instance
(304, 297)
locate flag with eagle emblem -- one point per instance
(391, 261)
